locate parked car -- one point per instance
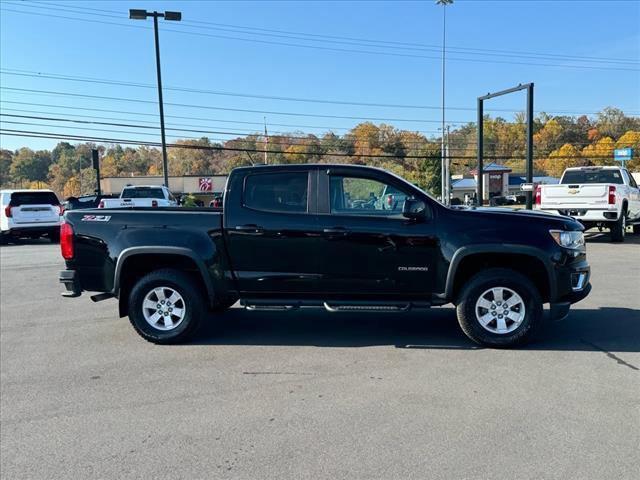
(84, 201)
(216, 202)
(289, 236)
(604, 197)
(141, 196)
(29, 214)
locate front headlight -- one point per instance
(572, 239)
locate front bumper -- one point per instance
(69, 278)
(577, 277)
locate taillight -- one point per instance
(538, 195)
(7, 211)
(154, 203)
(612, 195)
(66, 241)
(101, 204)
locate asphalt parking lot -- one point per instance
(309, 395)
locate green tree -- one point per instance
(6, 157)
(30, 165)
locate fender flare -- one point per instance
(528, 250)
(164, 250)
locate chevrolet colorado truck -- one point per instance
(603, 197)
(291, 236)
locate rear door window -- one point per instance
(592, 176)
(34, 198)
(285, 192)
(142, 193)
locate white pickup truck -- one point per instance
(141, 196)
(603, 197)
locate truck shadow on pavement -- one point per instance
(593, 236)
(604, 329)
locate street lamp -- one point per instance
(174, 16)
(443, 169)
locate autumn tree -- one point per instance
(6, 157)
(564, 157)
(29, 165)
(631, 139)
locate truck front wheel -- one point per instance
(499, 308)
(166, 306)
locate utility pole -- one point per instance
(447, 159)
(80, 172)
(174, 16)
(266, 143)
(444, 4)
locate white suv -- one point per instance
(29, 213)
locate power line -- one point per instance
(405, 143)
(277, 140)
(186, 118)
(103, 81)
(119, 14)
(206, 107)
(317, 47)
(52, 135)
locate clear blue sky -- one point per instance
(495, 44)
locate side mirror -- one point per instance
(414, 209)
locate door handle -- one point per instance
(250, 229)
(336, 231)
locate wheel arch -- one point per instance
(167, 257)
(466, 261)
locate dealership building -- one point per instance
(203, 187)
(497, 181)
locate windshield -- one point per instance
(33, 198)
(592, 176)
(142, 193)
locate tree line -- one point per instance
(559, 142)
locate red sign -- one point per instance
(205, 184)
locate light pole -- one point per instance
(443, 169)
(174, 16)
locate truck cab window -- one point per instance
(277, 192)
(364, 196)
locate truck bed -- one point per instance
(104, 236)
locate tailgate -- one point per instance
(35, 214)
(581, 195)
(126, 202)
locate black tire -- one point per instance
(499, 277)
(618, 229)
(192, 297)
(636, 229)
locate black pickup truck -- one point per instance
(343, 237)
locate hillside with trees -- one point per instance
(559, 142)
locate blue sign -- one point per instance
(622, 154)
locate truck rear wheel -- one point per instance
(499, 308)
(619, 228)
(166, 306)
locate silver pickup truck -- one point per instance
(603, 197)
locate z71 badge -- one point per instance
(96, 218)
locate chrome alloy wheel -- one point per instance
(500, 310)
(163, 308)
